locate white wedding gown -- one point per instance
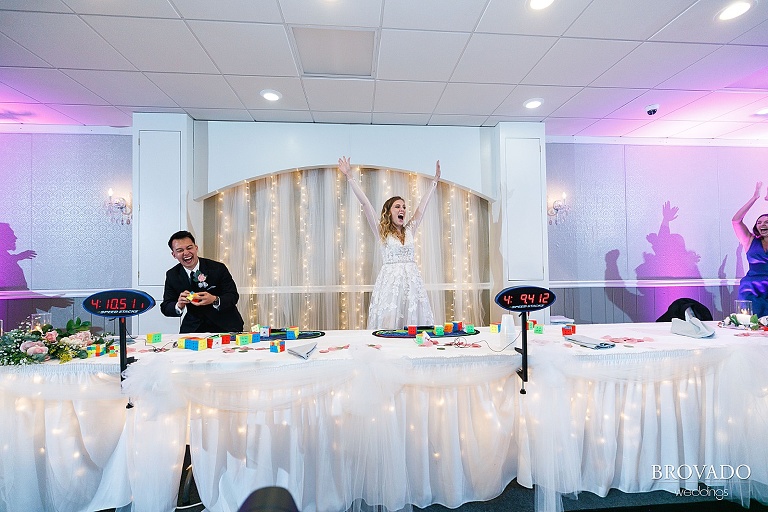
(399, 298)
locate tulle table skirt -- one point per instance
(380, 422)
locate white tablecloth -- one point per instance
(392, 424)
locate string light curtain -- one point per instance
(302, 254)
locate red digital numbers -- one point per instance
(117, 303)
(95, 303)
(544, 298)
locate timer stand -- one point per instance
(524, 299)
(522, 372)
(120, 304)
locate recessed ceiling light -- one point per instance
(533, 103)
(270, 95)
(734, 10)
(762, 112)
(537, 5)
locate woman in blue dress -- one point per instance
(754, 285)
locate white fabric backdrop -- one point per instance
(298, 241)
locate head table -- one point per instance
(369, 421)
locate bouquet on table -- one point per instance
(753, 323)
(25, 345)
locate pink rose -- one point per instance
(51, 336)
(33, 347)
(32, 351)
(201, 278)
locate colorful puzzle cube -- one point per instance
(448, 327)
(412, 330)
(243, 338)
(292, 333)
(155, 337)
(469, 329)
(423, 339)
(495, 327)
(264, 331)
(277, 346)
(567, 330)
(439, 330)
(573, 328)
(214, 341)
(538, 329)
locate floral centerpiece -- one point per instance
(754, 323)
(25, 345)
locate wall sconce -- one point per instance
(558, 210)
(118, 209)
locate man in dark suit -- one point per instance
(203, 288)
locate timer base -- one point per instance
(403, 333)
(280, 334)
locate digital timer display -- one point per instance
(525, 298)
(118, 303)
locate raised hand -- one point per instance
(344, 166)
(758, 186)
(26, 255)
(437, 170)
(668, 212)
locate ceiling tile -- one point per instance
(625, 19)
(36, 5)
(578, 61)
(327, 51)
(11, 95)
(711, 130)
(597, 102)
(339, 95)
(34, 113)
(433, 14)
(197, 91)
(756, 36)
(101, 114)
(354, 13)
(164, 45)
(62, 40)
(757, 131)
(48, 86)
(485, 99)
(669, 101)
(263, 11)
(122, 87)
(218, 114)
(612, 127)
(714, 105)
(143, 8)
(494, 120)
(152, 110)
(747, 113)
(553, 97)
(409, 55)
(246, 48)
(342, 117)
(651, 63)
(720, 68)
(407, 97)
(566, 126)
(282, 116)
(662, 128)
(499, 59)
(505, 17)
(13, 54)
(248, 89)
(456, 120)
(400, 119)
(698, 24)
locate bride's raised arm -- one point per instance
(419, 213)
(370, 213)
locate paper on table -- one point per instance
(303, 351)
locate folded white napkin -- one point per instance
(691, 326)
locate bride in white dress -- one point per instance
(399, 298)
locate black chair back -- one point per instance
(678, 307)
(269, 499)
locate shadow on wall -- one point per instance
(13, 311)
(669, 259)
